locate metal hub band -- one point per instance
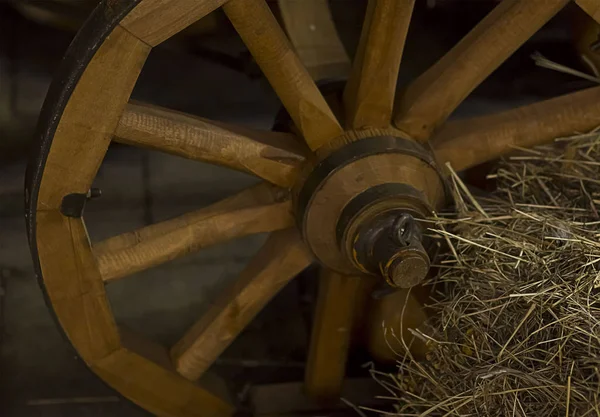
(352, 152)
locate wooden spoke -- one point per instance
(282, 257)
(431, 98)
(263, 208)
(369, 94)
(155, 21)
(465, 143)
(275, 157)
(311, 29)
(330, 339)
(293, 84)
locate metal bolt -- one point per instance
(391, 246)
(404, 228)
(94, 193)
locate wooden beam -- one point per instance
(431, 98)
(370, 91)
(274, 157)
(312, 31)
(155, 21)
(466, 143)
(293, 84)
(330, 339)
(259, 209)
(281, 258)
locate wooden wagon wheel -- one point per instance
(344, 190)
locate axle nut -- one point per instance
(408, 269)
(390, 245)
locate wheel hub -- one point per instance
(357, 208)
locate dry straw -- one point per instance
(514, 326)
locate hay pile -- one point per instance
(515, 320)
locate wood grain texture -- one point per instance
(431, 98)
(272, 156)
(370, 91)
(157, 388)
(293, 84)
(466, 143)
(313, 34)
(74, 286)
(257, 210)
(259, 195)
(350, 136)
(90, 118)
(282, 257)
(329, 342)
(591, 7)
(155, 21)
